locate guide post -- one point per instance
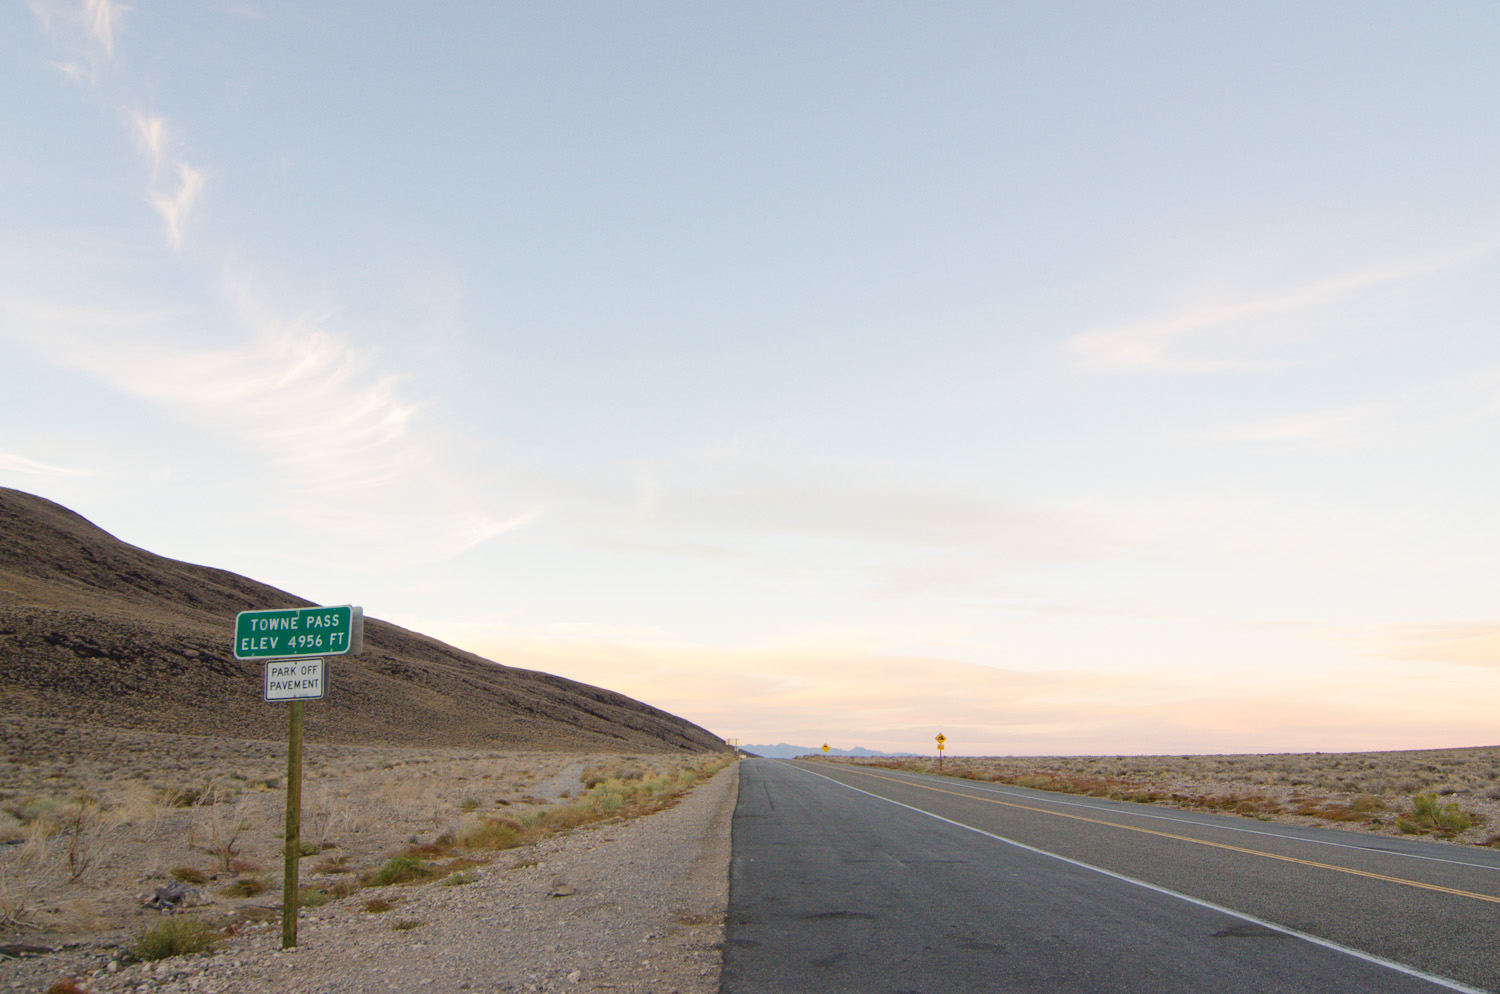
(294, 643)
(293, 836)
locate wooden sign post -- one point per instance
(941, 738)
(294, 644)
(292, 850)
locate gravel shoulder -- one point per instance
(633, 906)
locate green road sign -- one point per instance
(308, 631)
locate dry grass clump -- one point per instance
(245, 887)
(66, 986)
(311, 897)
(333, 865)
(644, 792)
(176, 936)
(1390, 792)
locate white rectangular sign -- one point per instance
(296, 679)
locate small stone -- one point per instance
(575, 976)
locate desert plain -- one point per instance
(93, 821)
(1450, 795)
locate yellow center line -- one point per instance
(1188, 838)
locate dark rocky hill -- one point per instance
(93, 630)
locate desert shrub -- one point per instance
(378, 905)
(401, 870)
(311, 897)
(246, 887)
(333, 864)
(177, 936)
(47, 810)
(220, 814)
(188, 875)
(407, 924)
(1430, 815)
(180, 797)
(492, 834)
(458, 879)
(67, 986)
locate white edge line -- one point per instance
(1410, 971)
(1199, 824)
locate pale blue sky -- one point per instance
(1059, 376)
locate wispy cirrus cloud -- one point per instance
(1243, 332)
(288, 386)
(87, 28)
(173, 195)
(31, 467)
(88, 34)
(319, 416)
(175, 203)
(100, 18)
(151, 132)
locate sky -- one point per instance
(1066, 378)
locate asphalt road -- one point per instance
(871, 881)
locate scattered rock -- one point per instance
(178, 895)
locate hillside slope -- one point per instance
(95, 630)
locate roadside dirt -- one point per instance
(628, 905)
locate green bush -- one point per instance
(1429, 815)
(177, 936)
(401, 870)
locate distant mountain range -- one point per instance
(783, 751)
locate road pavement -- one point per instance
(880, 882)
